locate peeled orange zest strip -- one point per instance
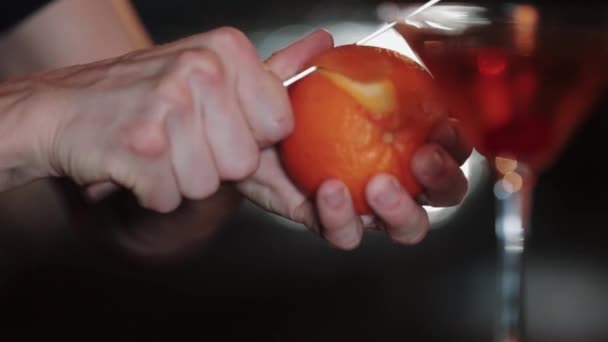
(376, 97)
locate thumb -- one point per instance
(291, 59)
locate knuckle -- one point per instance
(171, 93)
(206, 64)
(144, 138)
(198, 67)
(232, 38)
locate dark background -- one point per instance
(260, 280)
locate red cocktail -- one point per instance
(521, 78)
(519, 88)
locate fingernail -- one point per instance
(335, 198)
(314, 32)
(389, 195)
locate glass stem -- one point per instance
(513, 193)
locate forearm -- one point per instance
(69, 32)
(91, 30)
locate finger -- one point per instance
(157, 188)
(288, 61)
(259, 93)
(342, 227)
(180, 96)
(151, 180)
(270, 188)
(234, 150)
(262, 94)
(191, 157)
(449, 135)
(438, 172)
(404, 220)
(265, 104)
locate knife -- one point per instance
(364, 40)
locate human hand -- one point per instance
(330, 211)
(176, 121)
(167, 123)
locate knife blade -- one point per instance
(364, 40)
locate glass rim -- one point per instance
(461, 15)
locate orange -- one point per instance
(365, 111)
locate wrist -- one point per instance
(22, 132)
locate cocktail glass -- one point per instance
(521, 78)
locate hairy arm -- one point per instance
(68, 32)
